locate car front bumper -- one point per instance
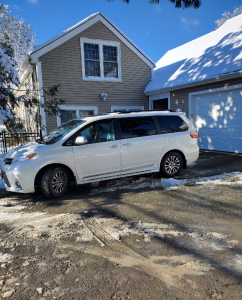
(19, 178)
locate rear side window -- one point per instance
(170, 124)
(136, 127)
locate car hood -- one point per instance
(31, 147)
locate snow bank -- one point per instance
(170, 183)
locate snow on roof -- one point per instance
(217, 53)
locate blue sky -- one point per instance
(153, 28)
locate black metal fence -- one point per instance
(9, 140)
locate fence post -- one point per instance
(4, 142)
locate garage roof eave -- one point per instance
(197, 83)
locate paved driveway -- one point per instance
(135, 238)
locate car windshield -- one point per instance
(61, 131)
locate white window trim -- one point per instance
(191, 110)
(101, 43)
(76, 108)
(113, 108)
(155, 97)
(41, 99)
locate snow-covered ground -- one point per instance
(170, 183)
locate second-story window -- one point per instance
(110, 61)
(101, 60)
(92, 63)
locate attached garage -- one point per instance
(218, 116)
(204, 79)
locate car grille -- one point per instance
(8, 161)
(5, 178)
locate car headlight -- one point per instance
(22, 158)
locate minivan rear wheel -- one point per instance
(55, 182)
(171, 164)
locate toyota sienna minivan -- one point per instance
(102, 147)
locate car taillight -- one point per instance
(194, 135)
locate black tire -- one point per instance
(55, 182)
(171, 164)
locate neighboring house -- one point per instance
(204, 79)
(28, 81)
(100, 70)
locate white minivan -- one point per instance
(102, 147)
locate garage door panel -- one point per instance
(218, 116)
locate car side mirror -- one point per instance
(80, 140)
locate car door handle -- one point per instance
(113, 146)
(126, 144)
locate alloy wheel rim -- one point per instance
(59, 182)
(172, 164)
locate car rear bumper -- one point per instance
(192, 156)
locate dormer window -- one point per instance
(100, 60)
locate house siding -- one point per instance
(180, 98)
(63, 66)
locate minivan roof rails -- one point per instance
(141, 111)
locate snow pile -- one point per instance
(5, 257)
(217, 53)
(35, 225)
(225, 178)
(170, 183)
(235, 263)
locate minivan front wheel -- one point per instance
(55, 182)
(171, 164)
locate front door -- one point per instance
(160, 104)
(100, 157)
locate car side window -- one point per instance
(169, 124)
(99, 132)
(136, 127)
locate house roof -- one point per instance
(213, 55)
(81, 26)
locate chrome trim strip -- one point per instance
(121, 171)
(118, 176)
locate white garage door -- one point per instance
(218, 116)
